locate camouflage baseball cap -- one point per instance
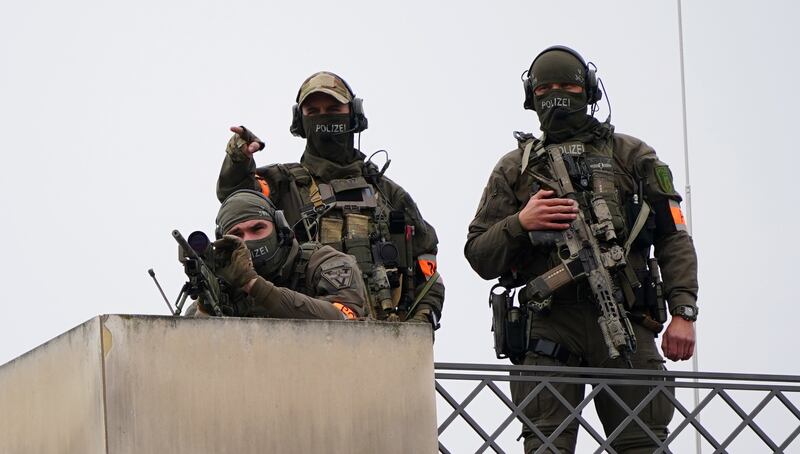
(325, 82)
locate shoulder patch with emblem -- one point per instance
(664, 178)
(339, 277)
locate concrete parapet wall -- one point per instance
(51, 398)
(147, 384)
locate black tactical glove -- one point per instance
(238, 143)
(233, 262)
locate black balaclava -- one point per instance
(268, 255)
(562, 115)
(327, 137)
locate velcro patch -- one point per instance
(339, 277)
(427, 264)
(664, 178)
(677, 215)
(569, 148)
(348, 313)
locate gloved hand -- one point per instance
(421, 315)
(425, 315)
(243, 144)
(233, 262)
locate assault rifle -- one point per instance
(588, 251)
(202, 281)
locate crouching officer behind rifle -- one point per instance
(268, 274)
(573, 216)
(335, 197)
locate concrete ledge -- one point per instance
(51, 398)
(148, 384)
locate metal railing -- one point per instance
(485, 412)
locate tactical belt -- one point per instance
(558, 352)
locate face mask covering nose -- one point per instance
(329, 137)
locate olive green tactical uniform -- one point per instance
(498, 246)
(296, 187)
(326, 285)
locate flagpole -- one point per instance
(688, 193)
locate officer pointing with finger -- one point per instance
(339, 198)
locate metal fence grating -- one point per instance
(771, 424)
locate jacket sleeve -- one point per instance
(337, 280)
(281, 302)
(238, 172)
(674, 248)
(496, 241)
(336, 284)
(425, 243)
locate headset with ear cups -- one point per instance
(285, 232)
(357, 118)
(593, 93)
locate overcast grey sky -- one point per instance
(114, 118)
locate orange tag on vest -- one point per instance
(345, 310)
(428, 267)
(263, 184)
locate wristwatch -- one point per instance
(688, 313)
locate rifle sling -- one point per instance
(526, 153)
(423, 292)
(628, 280)
(641, 218)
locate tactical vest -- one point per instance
(592, 170)
(352, 216)
(304, 253)
(615, 214)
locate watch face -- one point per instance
(687, 312)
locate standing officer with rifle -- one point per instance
(573, 216)
(335, 197)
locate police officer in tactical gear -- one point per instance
(336, 197)
(514, 237)
(271, 275)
